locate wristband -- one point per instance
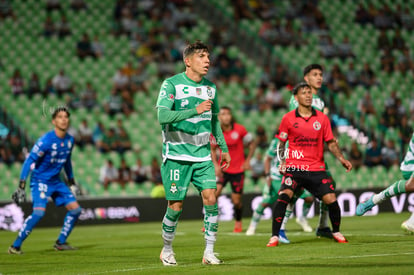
(22, 184)
(71, 181)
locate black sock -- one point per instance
(279, 213)
(238, 213)
(335, 216)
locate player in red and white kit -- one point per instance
(302, 163)
(237, 139)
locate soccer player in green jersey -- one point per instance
(187, 110)
(313, 76)
(397, 188)
(269, 195)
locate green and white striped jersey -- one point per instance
(189, 139)
(274, 165)
(317, 103)
(407, 165)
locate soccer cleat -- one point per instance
(408, 228)
(324, 232)
(210, 258)
(251, 231)
(274, 241)
(282, 237)
(63, 246)
(339, 238)
(15, 250)
(237, 227)
(365, 206)
(168, 258)
(303, 222)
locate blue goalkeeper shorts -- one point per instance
(57, 190)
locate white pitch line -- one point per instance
(312, 233)
(371, 255)
(296, 259)
(299, 234)
(136, 269)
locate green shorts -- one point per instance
(305, 194)
(177, 175)
(270, 195)
(407, 174)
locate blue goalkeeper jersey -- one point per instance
(47, 158)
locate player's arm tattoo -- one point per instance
(335, 150)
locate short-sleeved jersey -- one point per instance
(49, 155)
(189, 139)
(235, 139)
(317, 103)
(407, 165)
(306, 138)
(274, 164)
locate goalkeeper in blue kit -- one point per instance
(49, 155)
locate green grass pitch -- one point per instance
(376, 245)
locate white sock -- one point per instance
(210, 226)
(289, 210)
(411, 219)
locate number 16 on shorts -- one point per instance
(174, 175)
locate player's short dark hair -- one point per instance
(60, 109)
(299, 86)
(233, 119)
(312, 67)
(225, 108)
(195, 47)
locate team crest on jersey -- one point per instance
(209, 92)
(316, 125)
(173, 188)
(171, 97)
(198, 91)
(234, 135)
(288, 181)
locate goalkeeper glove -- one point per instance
(19, 196)
(74, 187)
